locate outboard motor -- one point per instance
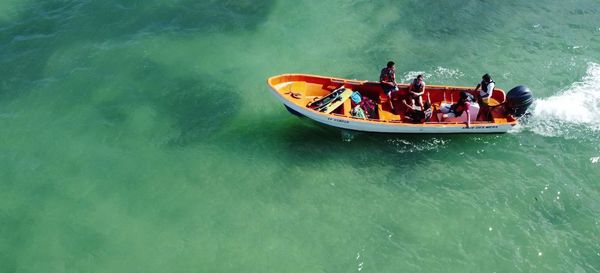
(518, 100)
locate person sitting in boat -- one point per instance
(416, 90)
(408, 105)
(456, 110)
(487, 87)
(420, 116)
(387, 80)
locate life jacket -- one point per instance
(484, 87)
(415, 86)
(459, 107)
(387, 75)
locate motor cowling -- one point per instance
(518, 100)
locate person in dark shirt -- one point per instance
(387, 80)
(416, 89)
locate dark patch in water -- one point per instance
(198, 106)
(28, 41)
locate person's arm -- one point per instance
(468, 119)
(390, 83)
(477, 87)
(381, 79)
(408, 106)
(422, 91)
(490, 89)
(413, 93)
(468, 106)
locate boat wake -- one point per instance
(402, 145)
(573, 113)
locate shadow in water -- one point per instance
(43, 27)
(198, 104)
(397, 161)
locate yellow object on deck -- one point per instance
(339, 101)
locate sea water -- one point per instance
(140, 136)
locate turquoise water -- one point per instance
(139, 136)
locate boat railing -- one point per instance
(355, 82)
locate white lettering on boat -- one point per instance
(338, 120)
(482, 127)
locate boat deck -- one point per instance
(311, 91)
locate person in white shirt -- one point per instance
(485, 94)
(487, 87)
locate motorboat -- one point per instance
(332, 101)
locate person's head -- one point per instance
(463, 96)
(420, 77)
(391, 64)
(487, 77)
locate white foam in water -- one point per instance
(448, 73)
(411, 75)
(438, 73)
(571, 112)
(411, 146)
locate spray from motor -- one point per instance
(573, 112)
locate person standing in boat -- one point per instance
(416, 89)
(487, 87)
(485, 94)
(387, 80)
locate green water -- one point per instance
(139, 136)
